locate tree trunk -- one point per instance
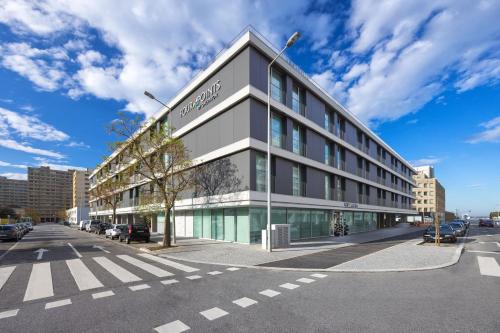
(114, 216)
(166, 228)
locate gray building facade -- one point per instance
(326, 167)
(13, 193)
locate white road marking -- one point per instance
(145, 266)
(232, 269)
(213, 313)
(488, 266)
(40, 282)
(57, 304)
(40, 253)
(245, 302)
(214, 273)
(319, 276)
(170, 281)
(10, 313)
(8, 250)
(290, 286)
(100, 248)
(193, 277)
(139, 287)
(486, 252)
(83, 277)
(74, 250)
(305, 280)
(170, 263)
(119, 272)
(269, 293)
(5, 273)
(103, 294)
(173, 327)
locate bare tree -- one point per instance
(216, 178)
(109, 191)
(159, 159)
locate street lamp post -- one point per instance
(290, 42)
(169, 110)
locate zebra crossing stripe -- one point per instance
(117, 271)
(170, 263)
(5, 273)
(83, 277)
(40, 282)
(488, 266)
(145, 266)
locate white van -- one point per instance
(82, 224)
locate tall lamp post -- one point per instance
(169, 110)
(289, 43)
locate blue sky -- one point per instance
(424, 75)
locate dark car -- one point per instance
(465, 222)
(135, 232)
(446, 234)
(101, 228)
(486, 223)
(9, 232)
(23, 230)
(92, 225)
(458, 227)
(66, 223)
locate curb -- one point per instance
(456, 257)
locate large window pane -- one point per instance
(277, 131)
(229, 225)
(318, 220)
(358, 225)
(257, 224)
(348, 220)
(207, 223)
(277, 86)
(260, 172)
(242, 226)
(293, 216)
(197, 223)
(278, 216)
(217, 224)
(296, 180)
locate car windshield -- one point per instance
(6, 227)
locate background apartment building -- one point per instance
(13, 193)
(49, 192)
(326, 165)
(80, 207)
(429, 193)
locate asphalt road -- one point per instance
(454, 299)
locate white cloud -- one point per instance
(157, 48)
(11, 165)
(11, 144)
(76, 144)
(15, 175)
(431, 160)
(407, 51)
(28, 127)
(27, 108)
(412, 121)
(491, 132)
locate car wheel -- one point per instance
(121, 240)
(127, 240)
(147, 240)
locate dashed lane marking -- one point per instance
(214, 273)
(245, 302)
(232, 269)
(193, 277)
(57, 304)
(173, 327)
(305, 280)
(488, 266)
(74, 250)
(170, 281)
(103, 294)
(269, 293)
(139, 287)
(213, 313)
(319, 276)
(290, 286)
(9, 313)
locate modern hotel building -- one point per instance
(326, 165)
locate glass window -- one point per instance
(197, 223)
(348, 220)
(327, 121)
(278, 216)
(277, 86)
(358, 223)
(328, 188)
(260, 172)
(300, 224)
(257, 224)
(242, 226)
(298, 180)
(207, 224)
(296, 100)
(296, 139)
(217, 224)
(277, 131)
(328, 154)
(319, 223)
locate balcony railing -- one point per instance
(381, 202)
(330, 160)
(341, 135)
(339, 195)
(301, 149)
(362, 199)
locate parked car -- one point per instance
(446, 234)
(23, 228)
(92, 224)
(486, 223)
(30, 225)
(135, 232)
(101, 228)
(82, 224)
(115, 230)
(465, 222)
(458, 227)
(66, 223)
(9, 232)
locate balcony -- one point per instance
(341, 165)
(361, 173)
(362, 199)
(381, 202)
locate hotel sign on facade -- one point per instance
(201, 100)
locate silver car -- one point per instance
(115, 230)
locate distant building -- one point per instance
(449, 216)
(81, 188)
(77, 214)
(429, 193)
(49, 192)
(13, 193)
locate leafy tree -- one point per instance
(158, 159)
(6, 212)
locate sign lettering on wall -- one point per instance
(205, 97)
(350, 205)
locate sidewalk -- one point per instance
(390, 249)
